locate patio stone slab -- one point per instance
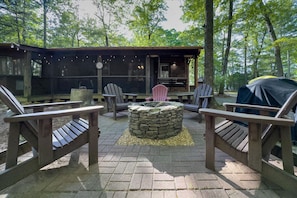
(144, 171)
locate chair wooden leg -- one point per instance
(93, 138)
(287, 154)
(255, 147)
(209, 141)
(114, 113)
(13, 144)
(45, 147)
(114, 108)
(199, 118)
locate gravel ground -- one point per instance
(3, 128)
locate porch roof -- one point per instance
(161, 50)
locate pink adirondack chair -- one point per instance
(159, 93)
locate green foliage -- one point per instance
(138, 23)
(248, 22)
(146, 20)
(17, 21)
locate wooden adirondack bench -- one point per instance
(48, 145)
(115, 99)
(250, 138)
(201, 99)
(159, 93)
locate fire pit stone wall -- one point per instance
(155, 120)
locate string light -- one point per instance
(72, 58)
(140, 67)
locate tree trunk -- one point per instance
(289, 65)
(227, 51)
(24, 17)
(277, 49)
(44, 23)
(18, 27)
(245, 57)
(106, 40)
(208, 43)
(255, 70)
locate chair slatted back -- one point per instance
(202, 90)
(15, 106)
(10, 101)
(113, 89)
(288, 106)
(160, 92)
(285, 109)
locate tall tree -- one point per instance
(18, 21)
(193, 14)
(146, 19)
(61, 23)
(208, 43)
(277, 50)
(109, 15)
(69, 27)
(45, 10)
(227, 50)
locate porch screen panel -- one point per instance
(127, 72)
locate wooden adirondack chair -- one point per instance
(48, 145)
(251, 143)
(201, 99)
(159, 93)
(116, 100)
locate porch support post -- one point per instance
(196, 71)
(147, 75)
(99, 77)
(27, 76)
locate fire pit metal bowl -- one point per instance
(155, 120)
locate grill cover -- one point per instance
(268, 92)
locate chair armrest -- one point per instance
(134, 96)
(149, 99)
(246, 117)
(130, 94)
(109, 95)
(110, 100)
(232, 106)
(185, 94)
(181, 95)
(40, 107)
(209, 96)
(52, 114)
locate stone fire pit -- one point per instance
(155, 120)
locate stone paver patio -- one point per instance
(144, 171)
